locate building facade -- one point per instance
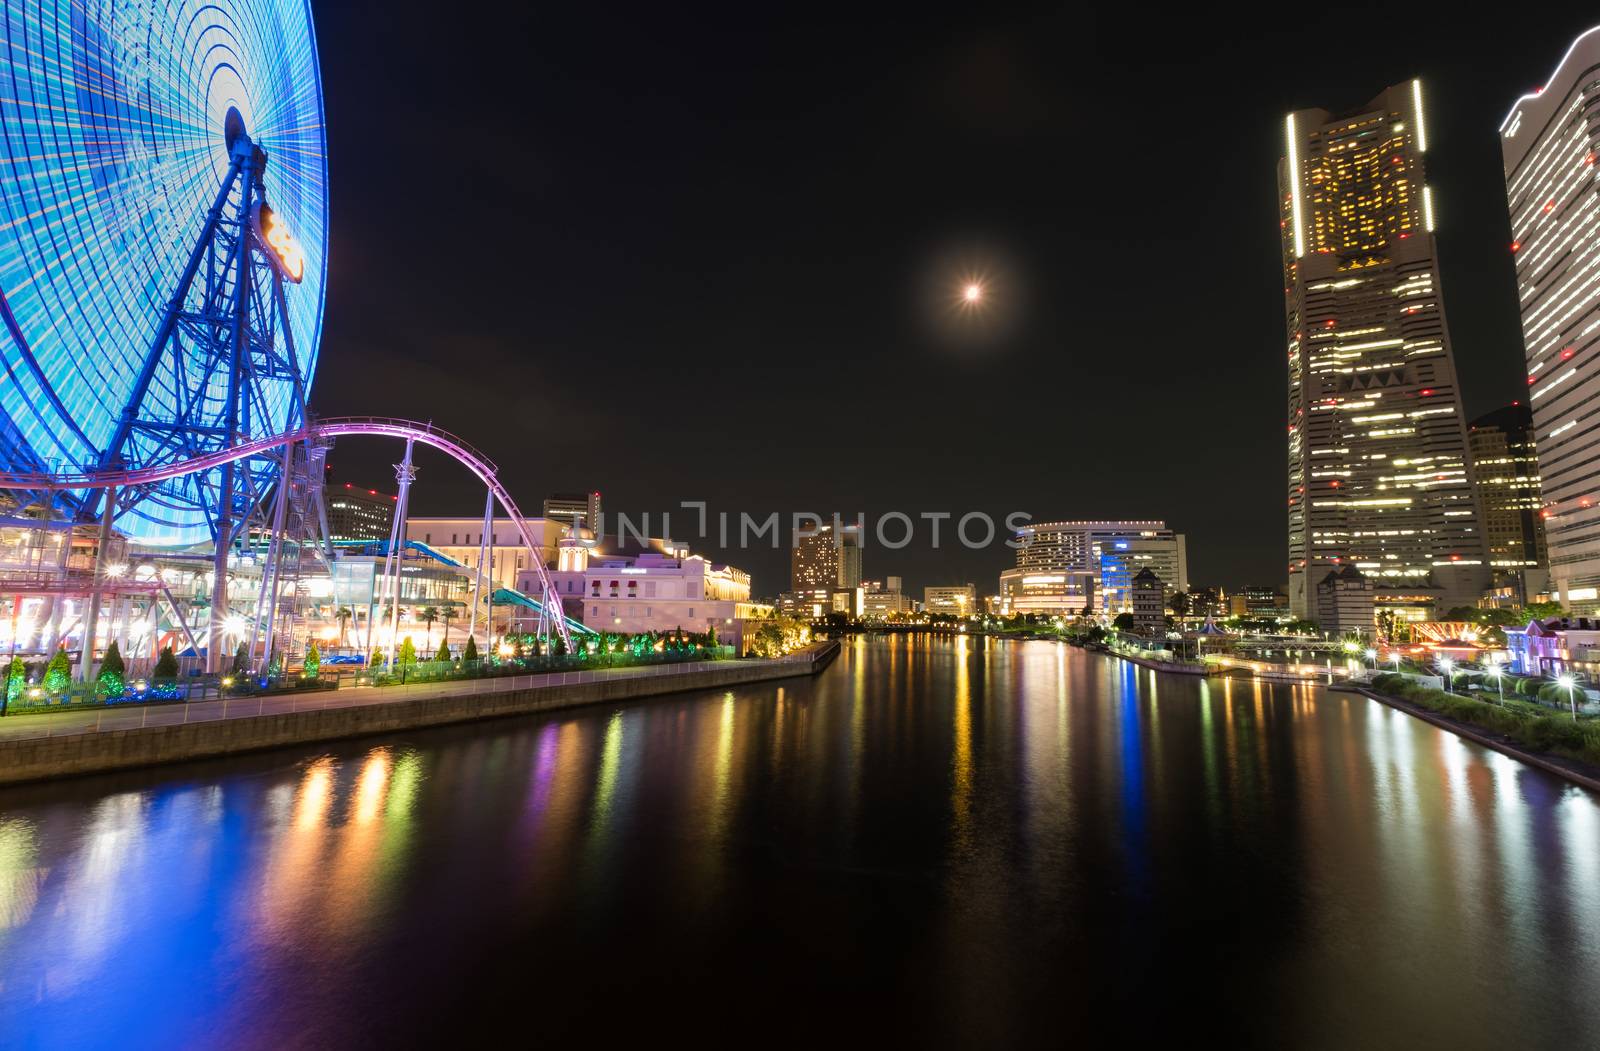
(960, 600)
(357, 514)
(1344, 603)
(1549, 143)
(1505, 466)
(584, 507)
(885, 598)
(1378, 470)
(462, 540)
(1149, 607)
(825, 556)
(1095, 563)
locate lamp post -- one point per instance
(1447, 666)
(1568, 683)
(1372, 658)
(1395, 656)
(1499, 681)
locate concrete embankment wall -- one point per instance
(82, 753)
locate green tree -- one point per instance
(313, 665)
(1123, 622)
(113, 673)
(444, 652)
(1180, 604)
(408, 652)
(429, 614)
(1541, 611)
(343, 614)
(377, 660)
(558, 646)
(241, 660)
(58, 675)
(469, 653)
(446, 615)
(166, 665)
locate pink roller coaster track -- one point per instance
(380, 426)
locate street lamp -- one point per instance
(1567, 682)
(1394, 655)
(1447, 666)
(1499, 681)
(1372, 658)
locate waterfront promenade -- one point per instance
(39, 745)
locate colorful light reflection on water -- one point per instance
(948, 840)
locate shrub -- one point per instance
(313, 664)
(444, 652)
(166, 665)
(16, 680)
(241, 660)
(408, 652)
(469, 652)
(58, 674)
(112, 679)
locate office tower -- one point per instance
(1378, 469)
(564, 507)
(849, 541)
(1548, 143)
(1506, 473)
(1062, 567)
(959, 600)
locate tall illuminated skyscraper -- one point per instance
(1549, 141)
(1378, 469)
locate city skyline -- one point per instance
(987, 128)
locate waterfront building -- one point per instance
(1506, 475)
(652, 590)
(1055, 593)
(960, 600)
(1345, 603)
(1259, 602)
(1098, 561)
(1149, 603)
(1548, 143)
(582, 507)
(816, 603)
(1555, 646)
(885, 598)
(358, 514)
(461, 540)
(1378, 469)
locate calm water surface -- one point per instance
(937, 841)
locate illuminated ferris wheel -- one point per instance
(163, 246)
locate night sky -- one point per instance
(675, 255)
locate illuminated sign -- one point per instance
(284, 249)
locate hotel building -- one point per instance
(1378, 469)
(959, 600)
(584, 507)
(1549, 142)
(1063, 567)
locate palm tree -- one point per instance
(343, 615)
(429, 614)
(1180, 605)
(448, 614)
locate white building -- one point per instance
(1549, 142)
(959, 600)
(461, 539)
(885, 598)
(651, 591)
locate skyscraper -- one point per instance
(1378, 468)
(1505, 469)
(1548, 142)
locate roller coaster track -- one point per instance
(372, 426)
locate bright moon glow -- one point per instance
(973, 293)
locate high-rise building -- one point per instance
(825, 556)
(1505, 468)
(1064, 566)
(358, 514)
(564, 507)
(1549, 143)
(1378, 468)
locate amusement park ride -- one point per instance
(163, 258)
